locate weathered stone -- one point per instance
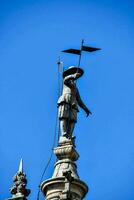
(55, 189)
(65, 165)
(19, 190)
(67, 151)
(69, 101)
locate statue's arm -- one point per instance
(68, 78)
(82, 105)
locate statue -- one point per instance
(69, 101)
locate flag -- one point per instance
(73, 51)
(78, 52)
(90, 49)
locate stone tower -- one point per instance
(65, 182)
(19, 190)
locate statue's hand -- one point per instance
(77, 75)
(88, 112)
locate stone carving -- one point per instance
(20, 182)
(75, 196)
(66, 154)
(67, 151)
(69, 101)
(63, 165)
(66, 194)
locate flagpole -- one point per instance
(60, 72)
(82, 42)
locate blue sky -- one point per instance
(32, 34)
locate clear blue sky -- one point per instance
(32, 33)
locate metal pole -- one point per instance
(60, 72)
(60, 87)
(82, 42)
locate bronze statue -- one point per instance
(69, 101)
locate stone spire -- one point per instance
(18, 190)
(21, 166)
(65, 183)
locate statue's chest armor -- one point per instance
(70, 90)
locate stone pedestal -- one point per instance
(55, 189)
(65, 182)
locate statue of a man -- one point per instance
(69, 101)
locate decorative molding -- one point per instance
(67, 151)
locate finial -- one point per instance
(20, 183)
(21, 166)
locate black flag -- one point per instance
(73, 51)
(89, 49)
(83, 48)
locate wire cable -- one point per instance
(50, 158)
(55, 131)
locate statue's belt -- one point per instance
(72, 106)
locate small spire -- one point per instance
(21, 166)
(20, 182)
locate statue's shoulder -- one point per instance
(61, 99)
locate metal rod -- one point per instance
(60, 72)
(82, 42)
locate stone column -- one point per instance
(65, 182)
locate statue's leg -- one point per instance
(72, 121)
(63, 127)
(71, 129)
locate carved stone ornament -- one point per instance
(19, 187)
(20, 183)
(67, 151)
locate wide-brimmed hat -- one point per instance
(72, 70)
